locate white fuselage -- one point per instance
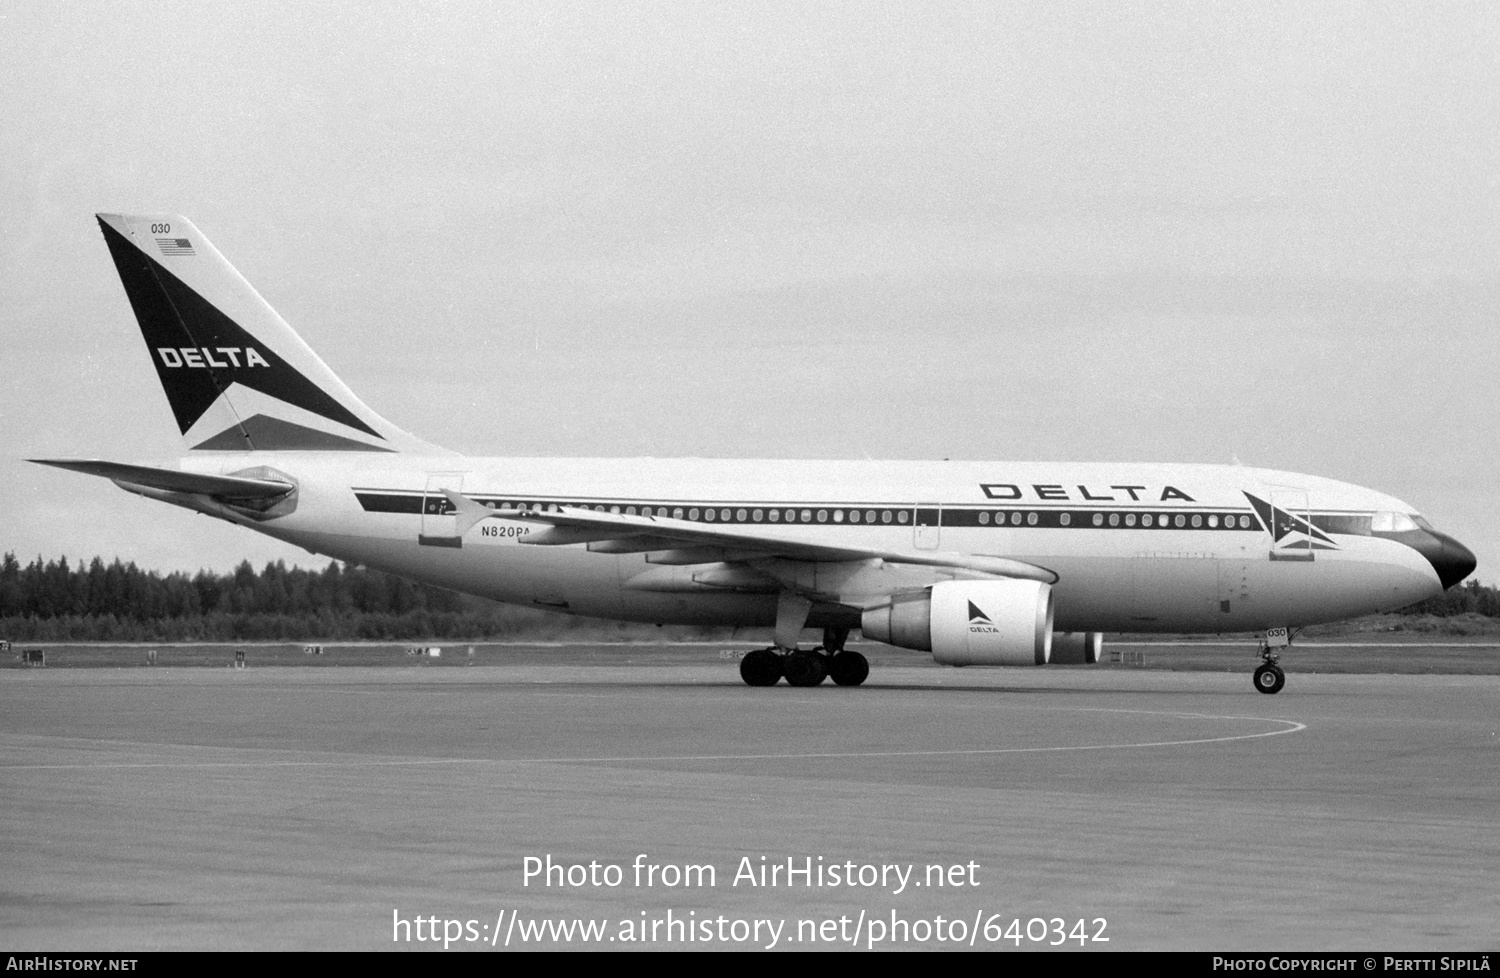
(1135, 547)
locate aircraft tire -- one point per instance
(848, 668)
(760, 668)
(804, 669)
(1269, 679)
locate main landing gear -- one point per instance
(807, 667)
(1268, 677)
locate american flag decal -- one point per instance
(175, 246)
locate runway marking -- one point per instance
(1291, 726)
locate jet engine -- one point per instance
(970, 623)
(1076, 648)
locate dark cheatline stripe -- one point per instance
(378, 501)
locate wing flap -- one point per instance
(740, 541)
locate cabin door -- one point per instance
(928, 520)
(439, 524)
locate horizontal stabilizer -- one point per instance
(173, 480)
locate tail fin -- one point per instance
(236, 375)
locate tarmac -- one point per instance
(1102, 809)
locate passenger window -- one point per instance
(1065, 519)
(902, 516)
(984, 519)
(1031, 519)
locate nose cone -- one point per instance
(1452, 560)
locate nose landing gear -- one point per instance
(1268, 677)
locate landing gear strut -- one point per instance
(802, 667)
(1268, 677)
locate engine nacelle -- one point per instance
(1076, 648)
(970, 623)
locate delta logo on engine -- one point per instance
(979, 622)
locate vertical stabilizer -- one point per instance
(237, 377)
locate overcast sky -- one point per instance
(1102, 231)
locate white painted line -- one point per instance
(1250, 644)
(1290, 726)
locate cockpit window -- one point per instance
(1417, 519)
(1389, 522)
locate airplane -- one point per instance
(977, 562)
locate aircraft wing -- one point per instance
(172, 480)
(700, 543)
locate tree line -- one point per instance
(57, 601)
(1469, 598)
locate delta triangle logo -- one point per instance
(1288, 530)
(979, 622)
